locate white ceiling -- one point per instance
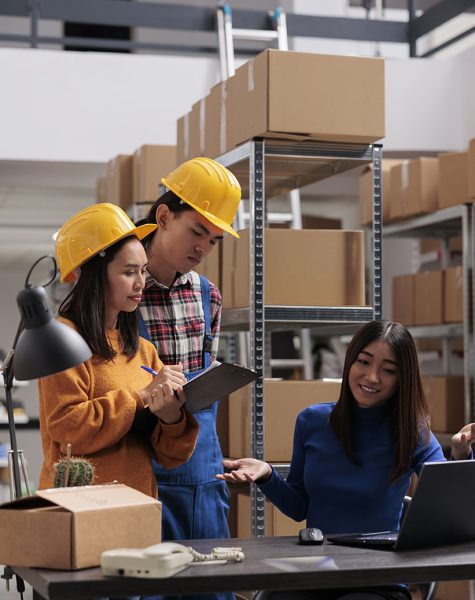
(35, 199)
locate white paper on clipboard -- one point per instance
(219, 380)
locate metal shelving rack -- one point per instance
(266, 168)
(444, 224)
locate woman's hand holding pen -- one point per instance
(164, 394)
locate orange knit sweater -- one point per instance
(92, 406)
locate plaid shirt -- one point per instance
(175, 320)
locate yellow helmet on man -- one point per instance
(209, 188)
(90, 231)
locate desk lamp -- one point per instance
(42, 346)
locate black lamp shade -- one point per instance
(45, 346)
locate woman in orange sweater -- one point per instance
(94, 406)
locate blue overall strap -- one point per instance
(143, 331)
(208, 338)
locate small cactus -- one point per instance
(73, 471)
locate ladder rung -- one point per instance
(277, 363)
(261, 35)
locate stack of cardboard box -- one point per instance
(293, 95)
(135, 178)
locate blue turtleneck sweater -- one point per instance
(331, 492)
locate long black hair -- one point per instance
(86, 305)
(410, 415)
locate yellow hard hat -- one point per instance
(91, 230)
(209, 188)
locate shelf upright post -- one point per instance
(257, 323)
(468, 240)
(377, 231)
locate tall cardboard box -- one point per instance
(453, 179)
(101, 189)
(283, 401)
(445, 396)
(423, 187)
(453, 295)
(306, 95)
(404, 299)
(365, 192)
(216, 120)
(277, 524)
(69, 528)
(119, 180)
(471, 169)
(151, 162)
(309, 267)
(197, 129)
(429, 298)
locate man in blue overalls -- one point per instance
(181, 315)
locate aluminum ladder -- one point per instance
(278, 34)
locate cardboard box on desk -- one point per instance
(310, 267)
(69, 528)
(283, 401)
(299, 95)
(151, 162)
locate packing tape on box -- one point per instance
(222, 132)
(404, 175)
(250, 76)
(202, 126)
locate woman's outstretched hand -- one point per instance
(246, 469)
(461, 442)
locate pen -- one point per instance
(149, 370)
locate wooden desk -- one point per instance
(343, 567)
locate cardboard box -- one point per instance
(453, 179)
(69, 528)
(302, 95)
(399, 183)
(445, 396)
(119, 180)
(365, 192)
(422, 188)
(283, 401)
(183, 139)
(101, 189)
(151, 163)
(471, 169)
(197, 129)
(453, 295)
(336, 277)
(276, 523)
(435, 245)
(429, 298)
(453, 590)
(216, 120)
(404, 299)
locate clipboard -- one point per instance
(219, 380)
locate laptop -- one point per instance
(441, 511)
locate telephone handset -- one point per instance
(161, 560)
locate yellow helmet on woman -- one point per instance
(90, 231)
(209, 188)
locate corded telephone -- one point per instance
(161, 560)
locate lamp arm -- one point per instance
(8, 376)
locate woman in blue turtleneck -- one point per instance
(352, 460)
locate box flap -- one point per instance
(26, 503)
(95, 497)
